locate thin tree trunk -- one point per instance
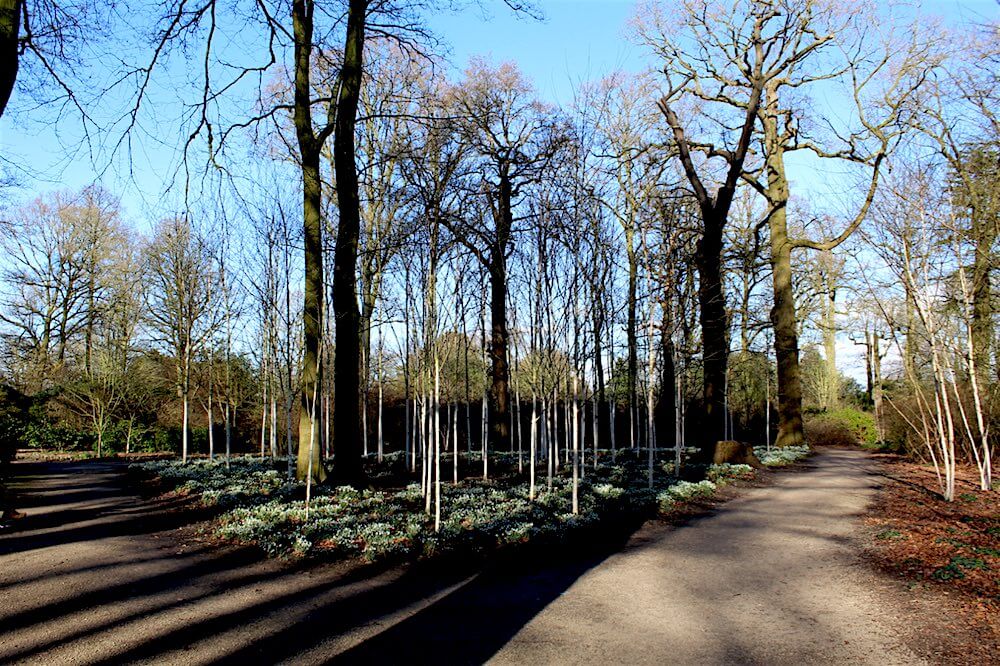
(380, 438)
(832, 398)
(210, 413)
(454, 441)
(437, 441)
(631, 332)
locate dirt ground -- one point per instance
(94, 574)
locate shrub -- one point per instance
(843, 427)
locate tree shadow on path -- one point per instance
(112, 569)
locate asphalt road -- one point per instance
(94, 574)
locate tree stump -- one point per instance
(734, 453)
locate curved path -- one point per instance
(96, 575)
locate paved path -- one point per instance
(770, 579)
(96, 575)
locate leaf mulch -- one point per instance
(947, 554)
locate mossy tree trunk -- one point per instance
(340, 122)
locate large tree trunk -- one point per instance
(714, 214)
(714, 329)
(312, 318)
(312, 200)
(499, 403)
(783, 318)
(10, 27)
(786, 338)
(346, 371)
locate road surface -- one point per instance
(95, 574)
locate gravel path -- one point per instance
(96, 575)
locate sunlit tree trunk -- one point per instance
(309, 146)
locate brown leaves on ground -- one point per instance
(949, 552)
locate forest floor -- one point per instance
(95, 574)
(946, 553)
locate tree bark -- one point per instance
(714, 328)
(499, 403)
(312, 195)
(786, 339)
(10, 28)
(346, 371)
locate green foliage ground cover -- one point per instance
(261, 507)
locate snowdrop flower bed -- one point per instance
(718, 475)
(376, 524)
(779, 457)
(683, 491)
(264, 509)
(726, 472)
(248, 480)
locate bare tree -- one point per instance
(180, 307)
(633, 154)
(823, 45)
(716, 55)
(513, 137)
(41, 44)
(63, 253)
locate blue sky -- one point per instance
(578, 40)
